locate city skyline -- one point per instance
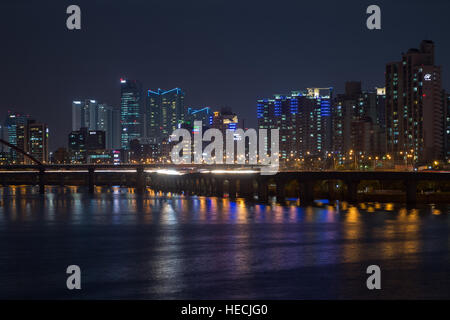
(212, 74)
(313, 122)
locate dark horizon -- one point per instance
(220, 53)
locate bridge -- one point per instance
(218, 180)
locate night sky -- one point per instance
(222, 53)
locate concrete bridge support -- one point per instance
(62, 180)
(281, 192)
(263, 194)
(183, 186)
(197, 189)
(331, 190)
(411, 191)
(232, 189)
(246, 188)
(306, 192)
(208, 188)
(187, 187)
(352, 190)
(178, 189)
(41, 180)
(203, 188)
(91, 180)
(218, 188)
(140, 180)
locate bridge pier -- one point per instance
(164, 187)
(41, 180)
(411, 191)
(62, 179)
(246, 189)
(177, 188)
(185, 187)
(218, 188)
(306, 192)
(281, 193)
(331, 190)
(263, 195)
(208, 188)
(195, 187)
(202, 188)
(182, 184)
(232, 189)
(91, 180)
(140, 180)
(352, 190)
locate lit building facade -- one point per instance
(359, 122)
(22, 142)
(131, 112)
(304, 120)
(28, 135)
(414, 106)
(203, 114)
(281, 112)
(143, 151)
(38, 141)
(84, 114)
(97, 116)
(85, 144)
(224, 120)
(446, 102)
(15, 131)
(165, 112)
(60, 156)
(77, 146)
(108, 121)
(316, 121)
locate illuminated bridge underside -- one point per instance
(232, 181)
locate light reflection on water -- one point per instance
(171, 246)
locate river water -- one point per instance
(131, 246)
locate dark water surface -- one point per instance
(162, 247)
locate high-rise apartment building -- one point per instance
(77, 146)
(317, 120)
(446, 102)
(97, 116)
(131, 112)
(203, 114)
(165, 112)
(84, 114)
(108, 121)
(224, 120)
(38, 141)
(22, 142)
(3, 136)
(15, 124)
(359, 121)
(304, 119)
(414, 106)
(29, 136)
(281, 112)
(84, 143)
